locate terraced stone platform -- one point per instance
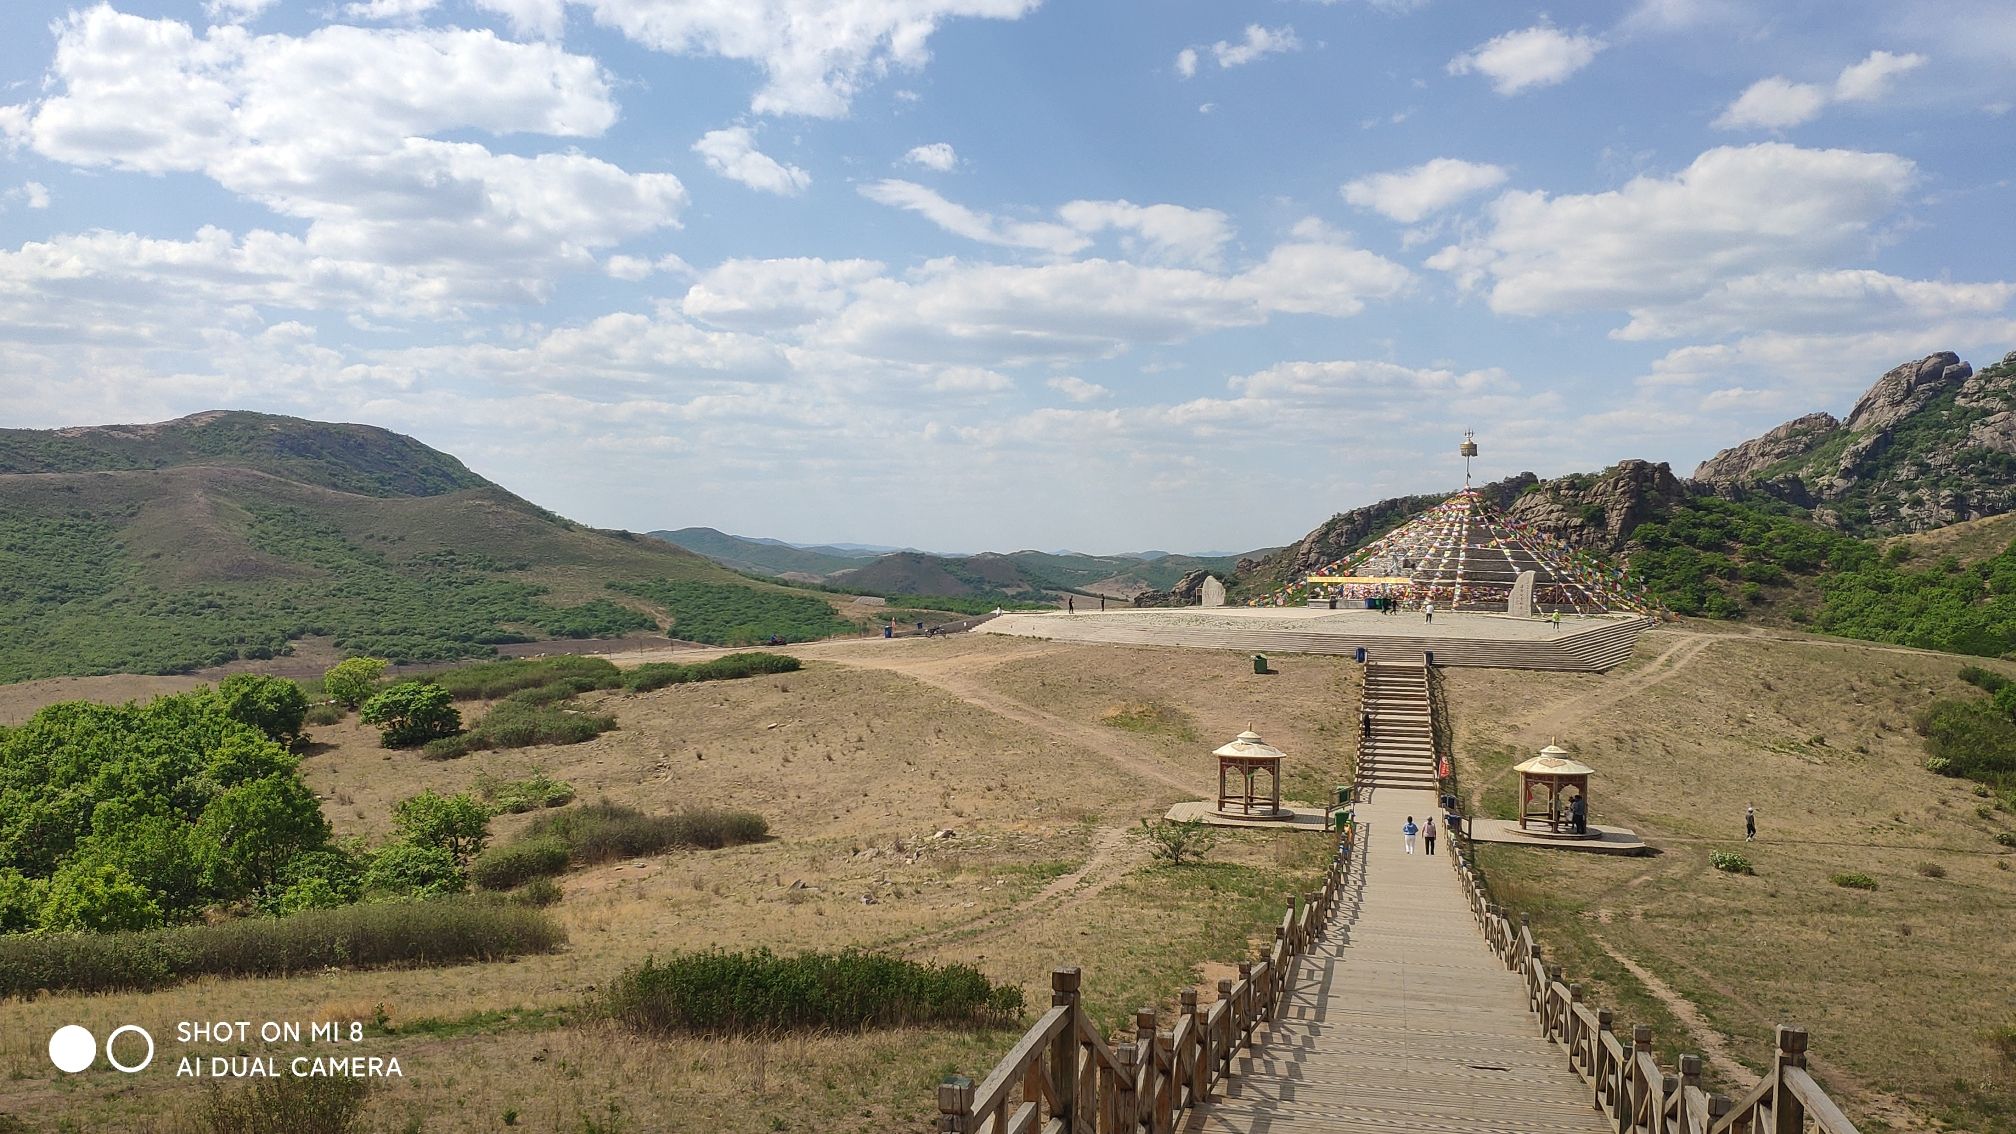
(1591, 645)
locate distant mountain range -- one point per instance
(1025, 575)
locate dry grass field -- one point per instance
(857, 761)
(1903, 988)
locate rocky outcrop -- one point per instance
(1930, 444)
(1752, 459)
(1601, 511)
(1188, 591)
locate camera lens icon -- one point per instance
(73, 1048)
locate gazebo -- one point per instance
(1238, 763)
(1549, 785)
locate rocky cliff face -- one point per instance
(1188, 591)
(1930, 444)
(1601, 511)
(1345, 531)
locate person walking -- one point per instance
(1428, 833)
(1365, 725)
(1428, 611)
(1408, 832)
(1070, 605)
(1750, 824)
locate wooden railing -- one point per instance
(1626, 1082)
(1062, 1077)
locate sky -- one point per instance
(1093, 274)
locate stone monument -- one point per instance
(1520, 604)
(1213, 592)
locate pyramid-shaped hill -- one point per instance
(1465, 554)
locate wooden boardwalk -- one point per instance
(1401, 1018)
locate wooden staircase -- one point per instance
(1400, 752)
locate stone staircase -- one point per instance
(1400, 753)
(1590, 647)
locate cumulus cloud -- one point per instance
(1258, 42)
(1778, 103)
(816, 54)
(1539, 56)
(32, 194)
(335, 127)
(1078, 389)
(1818, 301)
(1041, 236)
(732, 153)
(235, 11)
(1408, 195)
(936, 155)
(1734, 211)
(388, 9)
(776, 294)
(1163, 233)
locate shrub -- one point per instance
(1931, 870)
(1985, 678)
(518, 724)
(458, 824)
(408, 870)
(736, 614)
(515, 797)
(411, 713)
(604, 831)
(352, 680)
(99, 897)
(491, 681)
(718, 992)
(273, 705)
(657, 675)
(506, 867)
(442, 931)
(324, 715)
(1853, 880)
(538, 893)
(1731, 862)
(1178, 841)
(2006, 838)
(2004, 1040)
(300, 1105)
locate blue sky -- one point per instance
(1000, 273)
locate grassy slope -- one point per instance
(857, 760)
(1901, 987)
(757, 557)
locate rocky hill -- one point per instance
(1932, 443)
(166, 547)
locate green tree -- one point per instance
(273, 705)
(98, 897)
(255, 829)
(458, 824)
(409, 870)
(351, 680)
(21, 900)
(1176, 841)
(162, 854)
(412, 713)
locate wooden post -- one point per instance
(1223, 1045)
(1788, 1115)
(1200, 1063)
(1245, 1013)
(1144, 1042)
(1599, 1072)
(955, 1104)
(1064, 1049)
(1690, 1081)
(1126, 1104)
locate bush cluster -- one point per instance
(735, 614)
(604, 831)
(512, 723)
(377, 933)
(718, 992)
(491, 681)
(657, 675)
(324, 1105)
(514, 797)
(508, 867)
(1853, 880)
(1731, 862)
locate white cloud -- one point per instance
(935, 155)
(776, 294)
(628, 268)
(33, 194)
(333, 128)
(1817, 301)
(1869, 80)
(1773, 104)
(1735, 211)
(1408, 195)
(1041, 236)
(1078, 389)
(1539, 56)
(816, 54)
(388, 9)
(235, 11)
(732, 153)
(1163, 233)
(1777, 103)
(1258, 42)
(971, 380)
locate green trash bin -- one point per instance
(1343, 795)
(1259, 663)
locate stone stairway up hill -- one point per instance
(1400, 752)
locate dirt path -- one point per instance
(1710, 1041)
(1112, 859)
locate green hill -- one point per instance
(763, 556)
(163, 548)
